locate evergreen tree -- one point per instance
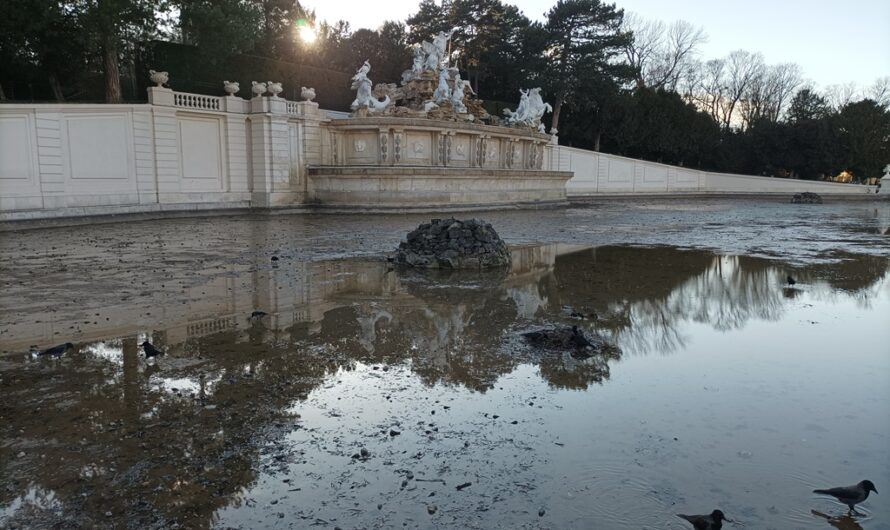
(584, 38)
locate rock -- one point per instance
(453, 244)
(571, 339)
(806, 198)
(431, 509)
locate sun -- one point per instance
(307, 34)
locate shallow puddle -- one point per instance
(373, 397)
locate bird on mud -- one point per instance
(150, 350)
(850, 495)
(712, 521)
(56, 351)
(790, 281)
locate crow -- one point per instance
(150, 350)
(850, 495)
(713, 521)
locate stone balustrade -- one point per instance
(196, 101)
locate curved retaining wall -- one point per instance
(600, 174)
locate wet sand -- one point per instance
(374, 397)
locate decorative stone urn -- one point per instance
(307, 94)
(275, 88)
(231, 87)
(159, 78)
(258, 89)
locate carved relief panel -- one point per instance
(418, 148)
(460, 151)
(361, 148)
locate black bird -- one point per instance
(257, 314)
(791, 281)
(578, 340)
(850, 495)
(713, 521)
(150, 350)
(56, 351)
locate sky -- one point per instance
(834, 42)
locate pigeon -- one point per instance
(791, 281)
(150, 350)
(713, 521)
(850, 495)
(56, 351)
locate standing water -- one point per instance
(368, 396)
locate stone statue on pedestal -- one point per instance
(435, 51)
(363, 97)
(457, 95)
(530, 111)
(443, 91)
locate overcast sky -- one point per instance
(833, 41)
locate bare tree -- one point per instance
(661, 54)
(880, 91)
(710, 87)
(770, 89)
(841, 95)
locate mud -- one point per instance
(369, 396)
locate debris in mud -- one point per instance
(806, 197)
(571, 339)
(454, 244)
(464, 485)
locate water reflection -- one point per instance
(102, 435)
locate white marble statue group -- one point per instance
(431, 55)
(450, 90)
(530, 110)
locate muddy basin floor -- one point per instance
(370, 396)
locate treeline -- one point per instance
(618, 83)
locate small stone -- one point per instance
(431, 509)
(108, 514)
(393, 432)
(21, 454)
(541, 512)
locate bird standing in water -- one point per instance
(712, 521)
(850, 495)
(150, 350)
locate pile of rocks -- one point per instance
(806, 197)
(571, 339)
(454, 244)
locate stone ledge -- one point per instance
(376, 122)
(433, 171)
